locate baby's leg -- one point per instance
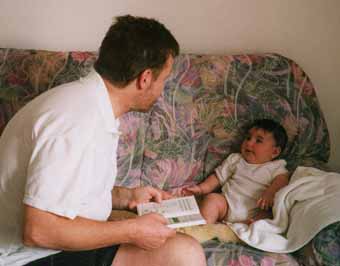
(213, 207)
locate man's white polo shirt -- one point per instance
(57, 154)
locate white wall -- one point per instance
(304, 30)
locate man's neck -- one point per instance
(118, 98)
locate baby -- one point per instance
(249, 179)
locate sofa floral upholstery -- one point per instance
(195, 124)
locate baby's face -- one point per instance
(259, 147)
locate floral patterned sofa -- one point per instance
(195, 124)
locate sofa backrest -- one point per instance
(199, 118)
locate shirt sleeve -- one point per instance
(280, 168)
(57, 175)
(227, 168)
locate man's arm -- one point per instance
(47, 230)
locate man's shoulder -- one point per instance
(61, 109)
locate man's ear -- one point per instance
(276, 152)
(144, 79)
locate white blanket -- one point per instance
(308, 204)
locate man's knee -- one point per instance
(177, 251)
(188, 251)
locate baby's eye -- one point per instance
(259, 140)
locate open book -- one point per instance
(180, 212)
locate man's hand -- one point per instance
(146, 194)
(151, 231)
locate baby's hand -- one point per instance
(193, 190)
(266, 200)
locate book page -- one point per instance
(171, 208)
(188, 220)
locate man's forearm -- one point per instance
(121, 197)
(47, 230)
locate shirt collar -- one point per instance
(104, 103)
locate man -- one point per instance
(56, 156)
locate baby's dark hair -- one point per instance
(268, 125)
